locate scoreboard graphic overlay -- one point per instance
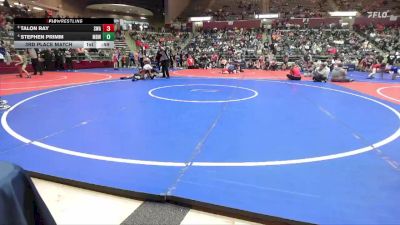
(63, 33)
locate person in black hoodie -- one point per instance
(34, 55)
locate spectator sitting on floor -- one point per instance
(190, 62)
(232, 68)
(223, 62)
(321, 73)
(294, 73)
(229, 68)
(339, 74)
(308, 68)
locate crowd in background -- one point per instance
(386, 38)
(308, 49)
(275, 48)
(150, 41)
(5, 22)
(226, 43)
(320, 42)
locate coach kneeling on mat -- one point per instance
(321, 73)
(339, 74)
(294, 73)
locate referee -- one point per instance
(37, 67)
(164, 59)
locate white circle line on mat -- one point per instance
(379, 91)
(371, 147)
(151, 93)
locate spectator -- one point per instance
(115, 59)
(321, 73)
(190, 62)
(294, 73)
(33, 54)
(68, 59)
(131, 59)
(339, 74)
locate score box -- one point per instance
(108, 27)
(105, 44)
(64, 44)
(108, 36)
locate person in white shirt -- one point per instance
(321, 73)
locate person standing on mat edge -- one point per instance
(33, 54)
(164, 59)
(115, 59)
(68, 60)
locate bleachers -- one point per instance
(120, 43)
(235, 9)
(229, 44)
(222, 38)
(150, 41)
(363, 6)
(248, 46)
(385, 39)
(224, 10)
(320, 42)
(195, 8)
(299, 9)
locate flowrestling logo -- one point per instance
(378, 14)
(56, 21)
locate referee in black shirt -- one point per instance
(164, 59)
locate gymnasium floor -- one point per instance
(251, 143)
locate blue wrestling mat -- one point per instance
(302, 151)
